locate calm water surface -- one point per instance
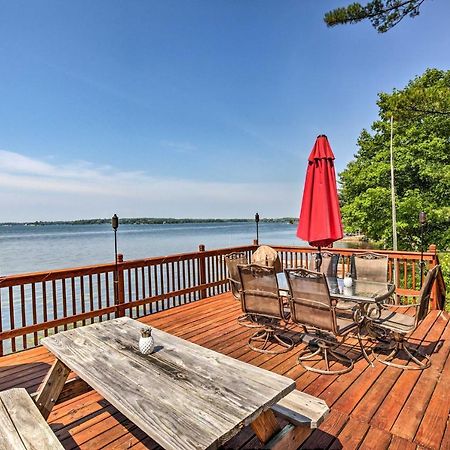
(38, 248)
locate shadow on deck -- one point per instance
(371, 407)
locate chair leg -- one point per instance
(325, 350)
(269, 336)
(363, 350)
(401, 345)
(246, 321)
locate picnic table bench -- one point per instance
(22, 426)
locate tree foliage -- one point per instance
(383, 14)
(422, 167)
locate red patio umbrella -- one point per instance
(320, 221)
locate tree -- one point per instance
(422, 167)
(383, 14)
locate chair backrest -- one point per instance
(267, 256)
(310, 299)
(232, 260)
(329, 264)
(425, 294)
(369, 266)
(260, 293)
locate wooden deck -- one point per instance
(371, 407)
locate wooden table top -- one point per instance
(184, 396)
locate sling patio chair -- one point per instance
(232, 260)
(396, 326)
(265, 307)
(267, 256)
(329, 268)
(312, 307)
(369, 266)
(329, 263)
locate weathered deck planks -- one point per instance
(380, 407)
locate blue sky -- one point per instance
(188, 108)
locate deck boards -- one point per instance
(371, 407)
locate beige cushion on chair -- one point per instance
(267, 256)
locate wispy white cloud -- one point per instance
(181, 147)
(40, 190)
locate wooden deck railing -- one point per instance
(37, 304)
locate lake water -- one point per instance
(38, 248)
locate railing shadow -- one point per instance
(27, 375)
(319, 439)
(97, 418)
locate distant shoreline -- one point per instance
(147, 221)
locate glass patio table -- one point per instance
(362, 292)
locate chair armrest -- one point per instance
(235, 282)
(340, 306)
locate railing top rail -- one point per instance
(400, 254)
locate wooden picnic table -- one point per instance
(183, 396)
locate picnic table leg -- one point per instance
(265, 426)
(289, 438)
(268, 431)
(51, 387)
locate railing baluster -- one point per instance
(163, 285)
(63, 287)
(91, 296)
(172, 273)
(405, 274)
(74, 298)
(11, 315)
(99, 294)
(23, 313)
(150, 289)
(55, 304)
(34, 311)
(136, 290)
(82, 297)
(107, 293)
(44, 306)
(155, 277)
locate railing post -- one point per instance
(120, 287)
(255, 241)
(433, 262)
(202, 269)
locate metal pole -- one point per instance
(422, 222)
(319, 259)
(257, 228)
(115, 246)
(115, 225)
(421, 255)
(394, 214)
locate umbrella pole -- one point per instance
(318, 260)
